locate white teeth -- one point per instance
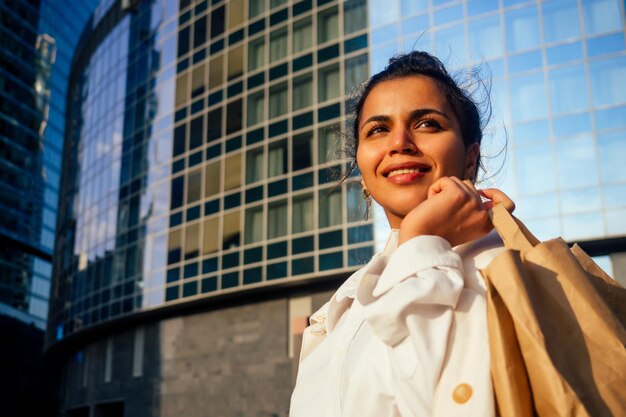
(405, 171)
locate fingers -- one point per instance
(497, 197)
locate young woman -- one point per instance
(406, 335)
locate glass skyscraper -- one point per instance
(203, 148)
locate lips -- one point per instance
(404, 169)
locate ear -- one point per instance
(471, 160)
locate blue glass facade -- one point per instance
(202, 147)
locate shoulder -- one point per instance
(477, 255)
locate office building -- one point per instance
(201, 224)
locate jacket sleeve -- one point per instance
(409, 300)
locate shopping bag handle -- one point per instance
(512, 231)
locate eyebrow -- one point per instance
(415, 114)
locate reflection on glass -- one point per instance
(198, 82)
(277, 159)
(256, 54)
(560, 20)
(182, 83)
(328, 79)
(232, 230)
(568, 89)
(576, 163)
(210, 236)
(278, 101)
(302, 213)
(254, 165)
(234, 115)
(212, 178)
(235, 13)
(528, 97)
(254, 224)
(450, 45)
(235, 62)
(216, 71)
(256, 103)
(580, 200)
(255, 7)
(581, 226)
(601, 16)
(356, 72)
(194, 186)
(302, 92)
(522, 29)
(607, 81)
(278, 44)
(329, 144)
(232, 172)
(302, 35)
(192, 241)
(330, 208)
(327, 25)
(173, 246)
(384, 11)
(277, 219)
(535, 169)
(355, 202)
(612, 148)
(486, 38)
(354, 16)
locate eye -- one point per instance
(428, 124)
(376, 129)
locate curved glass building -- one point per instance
(201, 223)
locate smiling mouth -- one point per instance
(407, 171)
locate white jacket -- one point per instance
(406, 335)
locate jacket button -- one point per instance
(462, 393)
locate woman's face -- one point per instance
(408, 139)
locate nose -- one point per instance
(402, 143)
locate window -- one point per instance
(560, 20)
(194, 186)
(235, 13)
(277, 219)
(302, 213)
(356, 72)
(355, 202)
(256, 54)
(214, 124)
(330, 208)
(233, 116)
(232, 172)
(182, 85)
(212, 179)
(235, 62)
(327, 25)
(256, 7)
(528, 97)
(138, 348)
(354, 16)
(278, 44)
(256, 105)
(302, 151)
(216, 72)
(218, 19)
(566, 92)
(601, 16)
(192, 241)
(302, 35)
(522, 29)
(486, 38)
(302, 92)
(210, 236)
(328, 83)
(275, 3)
(277, 158)
(232, 230)
(254, 224)
(329, 144)
(173, 247)
(254, 165)
(199, 32)
(198, 83)
(278, 100)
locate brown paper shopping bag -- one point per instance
(556, 328)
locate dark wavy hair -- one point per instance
(472, 115)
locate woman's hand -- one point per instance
(453, 210)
